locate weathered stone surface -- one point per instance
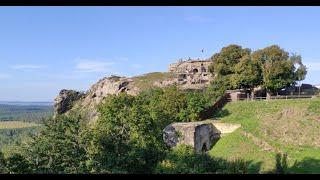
(64, 101)
(226, 128)
(192, 73)
(190, 65)
(202, 136)
(100, 90)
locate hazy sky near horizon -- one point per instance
(46, 49)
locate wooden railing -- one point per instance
(274, 97)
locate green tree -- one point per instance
(125, 139)
(247, 74)
(17, 164)
(57, 148)
(196, 102)
(278, 68)
(300, 72)
(223, 63)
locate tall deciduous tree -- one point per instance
(58, 148)
(278, 68)
(272, 68)
(247, 74)
(301, 70)
(223, 63)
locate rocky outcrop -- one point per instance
(107, 86)
(64, 101)
(195, 78)
(87, 103)
(200, 135)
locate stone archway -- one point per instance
(204, 147)
(195, 70)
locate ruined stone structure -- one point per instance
(192, 71)
(200, 135)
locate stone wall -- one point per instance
(201, 135)
(190, 65)
(192, 71)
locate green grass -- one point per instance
(147, 81)
(236, 146)
(289, 126)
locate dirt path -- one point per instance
(261, 143)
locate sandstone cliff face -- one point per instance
(87, 103)
(64, 101)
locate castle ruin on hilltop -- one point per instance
(192, 71)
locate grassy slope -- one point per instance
(146, 81)
(288, 126)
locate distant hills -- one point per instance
(27, 103)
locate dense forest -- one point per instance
(27, 113)
(31, 114)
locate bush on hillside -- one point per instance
(127, 138)
(56, 149)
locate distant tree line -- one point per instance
(28, 113)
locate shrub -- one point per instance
(17, 164)
(2, 164)
(56, 149)
(128, 135)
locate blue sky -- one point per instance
(46, 49)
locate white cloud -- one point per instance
(5, 76)
(27, 66)
(313, 66)
(93, 66)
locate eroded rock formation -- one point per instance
(64, 101)
(87, 103)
